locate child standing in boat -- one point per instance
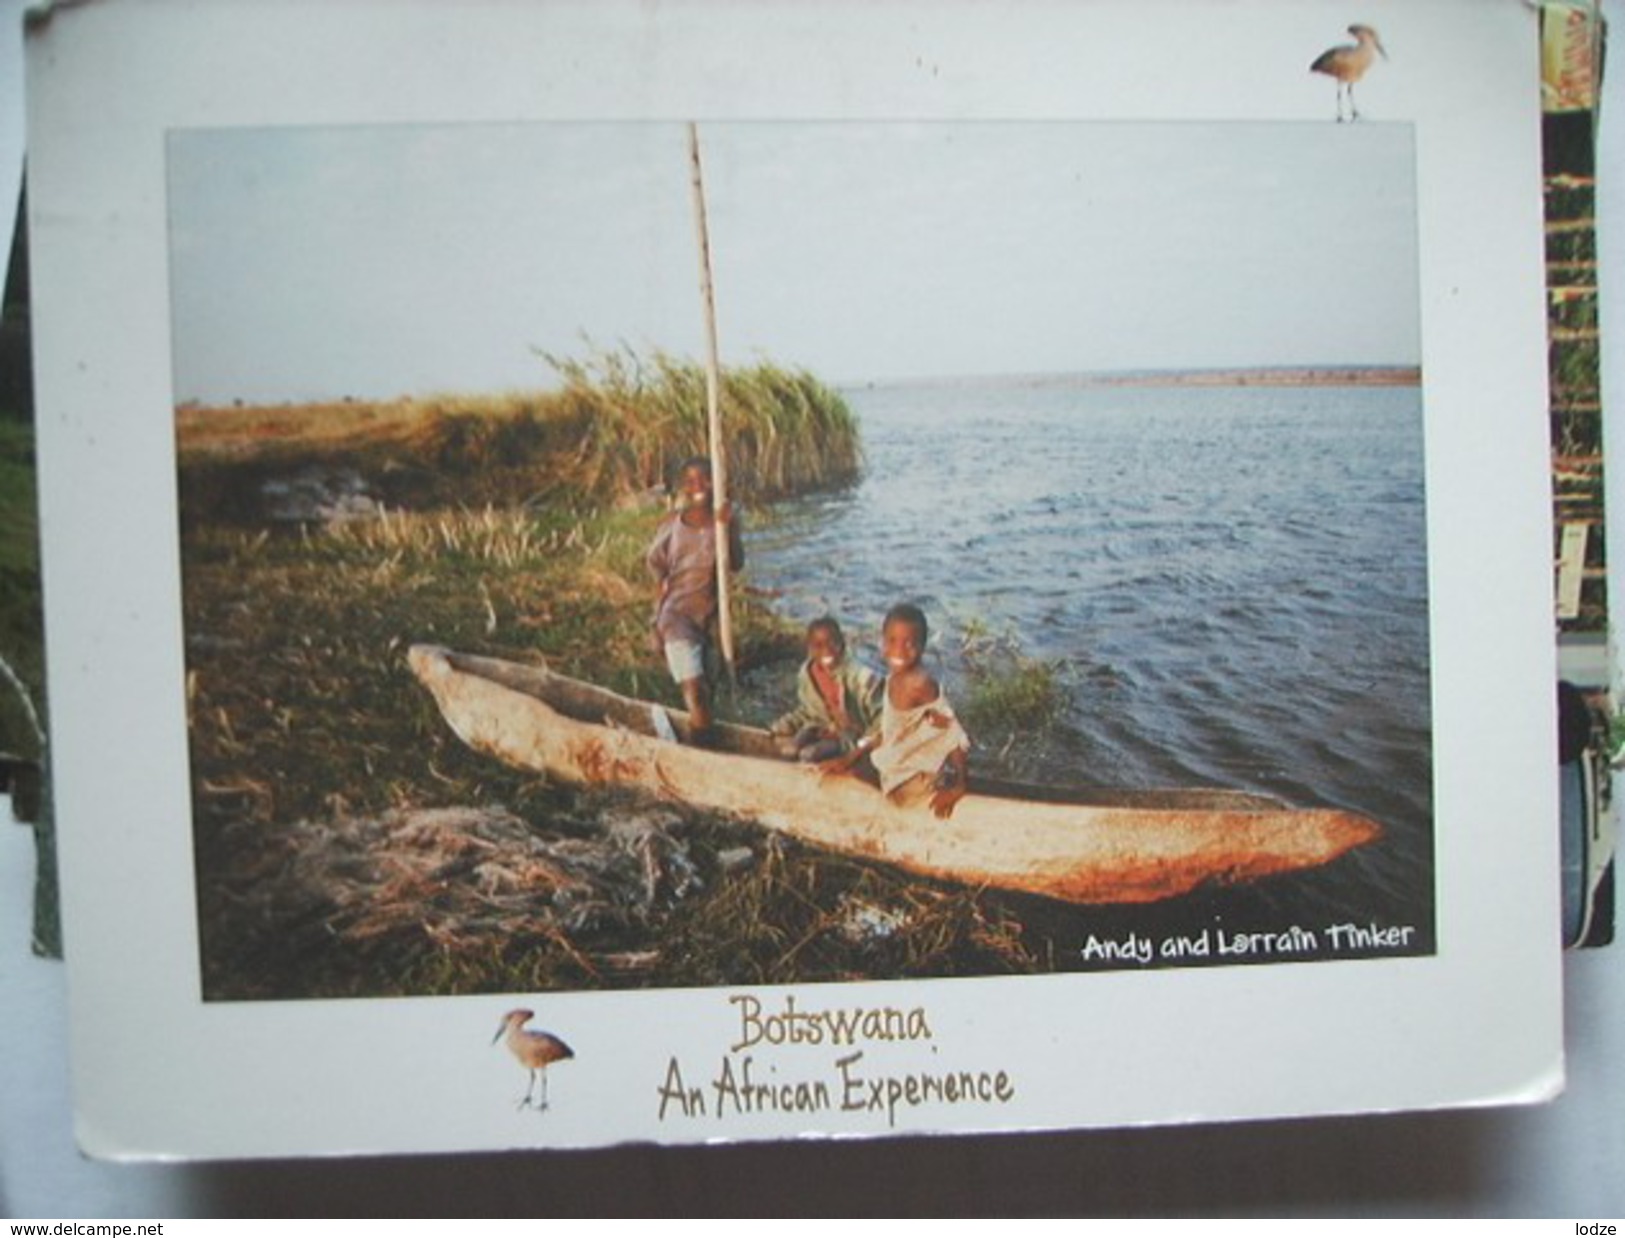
(922, 753)
(683, 558)
(837, 699)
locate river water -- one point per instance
(1232, 582)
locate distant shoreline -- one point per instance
(1299, 376)
(1280, 376)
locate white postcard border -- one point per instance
(159, 1073)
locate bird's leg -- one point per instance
(544, 1089)
(1354, 112)
(530, 1086)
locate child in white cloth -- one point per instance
(922, 752)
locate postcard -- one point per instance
(968, 575)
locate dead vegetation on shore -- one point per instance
(598, 892)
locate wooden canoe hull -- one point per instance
(1149, 846)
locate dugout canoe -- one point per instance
(1089, 846)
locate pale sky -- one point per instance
(312, 263)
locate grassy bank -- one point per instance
(349, 844)
(616, 427)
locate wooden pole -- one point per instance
(713, 410)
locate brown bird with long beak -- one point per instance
(536, 1051)
(1348, 63)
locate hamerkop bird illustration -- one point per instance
(1348, 63)
(536, 1051)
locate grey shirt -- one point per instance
(685, 558)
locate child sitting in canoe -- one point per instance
(837, 699)
(683, 559)
(922, 751)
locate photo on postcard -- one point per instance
(1130, 413)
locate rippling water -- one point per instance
(1235, 579)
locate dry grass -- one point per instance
(800, 915)
(509, 538)
(617, 427)
(600, 892)
(207, 433)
